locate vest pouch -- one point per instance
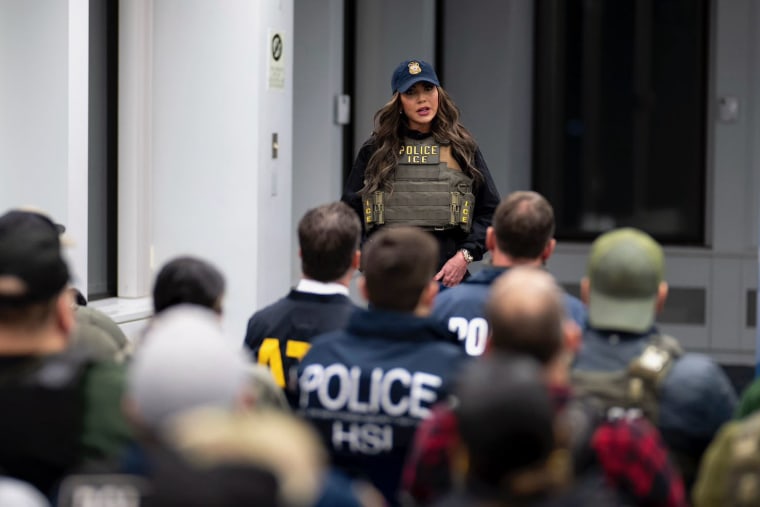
(616, 392)
(374, 209)
(465, 212)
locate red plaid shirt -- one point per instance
(635, 461)
(630, 452)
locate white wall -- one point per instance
(216, 191)
(43, 114)
(34, 104)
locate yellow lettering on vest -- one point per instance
(434, 150)
(424, 159)
(269, 355)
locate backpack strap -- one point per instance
(648, 371)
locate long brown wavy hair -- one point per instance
(388, 135)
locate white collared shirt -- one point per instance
(315, 287)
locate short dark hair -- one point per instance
(329, 236)
(399, 262)
(506, 419)
(188, 280)
(525, 311)
(523, 224)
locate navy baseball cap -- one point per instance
(410, 72)
(32, 267)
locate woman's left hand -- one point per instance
(453, 271)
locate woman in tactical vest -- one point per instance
(421, 167)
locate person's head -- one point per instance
(624, 287)
(416, 84)
(328, 237)
(522, 229)
(399, 265)
(506, 422)
(526, 315)
(33, 276)
(418, 102)
(226, 446)
(188, 280)
(184, 362)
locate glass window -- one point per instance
(620, 116)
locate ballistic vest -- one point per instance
(429, 190)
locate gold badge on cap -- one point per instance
(414, 68)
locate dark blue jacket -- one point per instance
(461, 308)
(367, 387)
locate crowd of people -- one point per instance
(503, 390)
(442, 389)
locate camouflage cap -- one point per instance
(625, 269)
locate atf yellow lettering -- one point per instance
(296, 349)
(269, 356)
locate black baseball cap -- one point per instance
(32, 268)
(410, 72)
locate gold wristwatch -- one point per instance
(467, 255)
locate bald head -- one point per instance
(526, 312)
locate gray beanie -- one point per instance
(184, 362)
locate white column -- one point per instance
(135, 156)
